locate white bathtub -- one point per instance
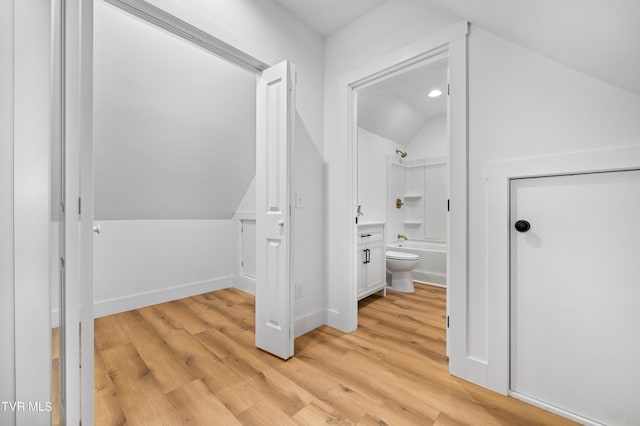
(433, 265)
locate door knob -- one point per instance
(97, 229)
(522, 226)
(281, 223)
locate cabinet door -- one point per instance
(375, 268)
(362, 269)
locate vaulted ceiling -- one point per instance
(327, 16)
(600, 38)
(399, 107)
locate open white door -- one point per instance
(274, 131)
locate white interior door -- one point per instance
(575, 287)
(274, 299)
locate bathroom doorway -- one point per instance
(403, 196)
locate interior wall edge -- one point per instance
(7, 307)
(32, 133)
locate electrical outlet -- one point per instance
(298, 289)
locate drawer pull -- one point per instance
(365, 235)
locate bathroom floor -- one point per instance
(193, 361)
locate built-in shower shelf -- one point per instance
(412, 223)
(413, 196)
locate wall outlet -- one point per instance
(298, 290)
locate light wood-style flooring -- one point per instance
(194, 362)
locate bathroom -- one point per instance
(403, 180)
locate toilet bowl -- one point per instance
(401, 265)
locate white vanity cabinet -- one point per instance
(371, 260)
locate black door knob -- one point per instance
(522, 226)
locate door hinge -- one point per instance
(448, 89)
(448, 204)
(356, 220)
(79, 205)
(447, 321)
(62, 208)
(241, 229)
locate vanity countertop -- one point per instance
(370, 224)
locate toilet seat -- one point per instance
(400, 255)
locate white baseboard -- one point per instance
(429, 283)
(556, 410)
(309, 322)
(430, 277)
(55, 318)
(122, 304)
(246, 284)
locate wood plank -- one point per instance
(194, 361)
(139, 394)
(199, 406)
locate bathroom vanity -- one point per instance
(371, 260)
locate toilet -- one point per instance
(401, 265)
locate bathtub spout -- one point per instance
(403, 237)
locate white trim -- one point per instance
(31, 143)
(428, 283)
(135, 301)
(246, 284)
(559, 411)
(309, 322)
(451, 42)
(162, 19)
(498, 175)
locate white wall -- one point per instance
(431, 140)
(520, 104)
(7, 324)
(142, 262)
(271, 33)
(373, 153)
(174, 125)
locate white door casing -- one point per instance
(274, 131)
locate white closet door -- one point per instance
(274, 299)
(575, 294)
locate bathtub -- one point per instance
(433, 265)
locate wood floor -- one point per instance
(193, 361)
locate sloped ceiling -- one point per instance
(174, 126)
(328, 16)
(399, 107)
(599, 38)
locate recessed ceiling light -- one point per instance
(435, 93)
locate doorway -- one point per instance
(449, 43)
(403, 186)
(274, 89)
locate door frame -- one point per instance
(77, 80)
(452, 43)
(499, 176)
